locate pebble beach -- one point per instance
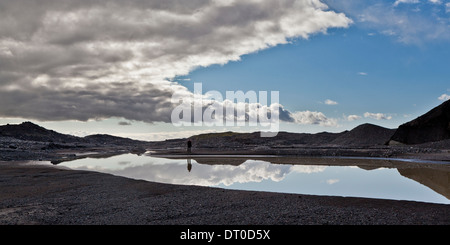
(40, 194)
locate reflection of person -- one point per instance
(189, 164)
(189, 145)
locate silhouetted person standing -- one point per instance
(189, 146)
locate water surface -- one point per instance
(355, 177)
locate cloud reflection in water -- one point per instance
(383, 181)
(178, 171)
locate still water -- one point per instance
(363, 177)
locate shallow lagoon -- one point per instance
(355, 177)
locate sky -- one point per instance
(109, 66)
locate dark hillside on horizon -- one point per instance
(365, 135)
(28, 131)
(28, 141)
(431, 127)
(361, 136)
(284, 138)
(32, 132)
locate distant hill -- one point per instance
(365, 135)
(430, 127)
(110, 139)
(362, 135)
(232, 139)
(32, 132)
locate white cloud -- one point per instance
(377, 116)
(405, 1)
(81, 60)
(308, 169)
(447, 7)
(313, 118)
(416, 1)
(436, 1)
(164, 171)
(363, 73)
(332, 181)
(330, 102)
(353, 117)
(444, 97)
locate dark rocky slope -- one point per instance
(365, 135)
(28, 141)
(431, 127)
(32, 132)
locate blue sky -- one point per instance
(352, 62)
(363, 68)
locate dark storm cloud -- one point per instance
(91, 102)
(86, 59)
(122, 123)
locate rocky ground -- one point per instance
(43, 194)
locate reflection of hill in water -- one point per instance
(221, 161)
(437, 180)
(434, 176)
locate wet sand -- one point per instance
(43, 194)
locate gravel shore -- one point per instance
(43, 194)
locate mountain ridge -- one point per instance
(433, 126)
(33, 132)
